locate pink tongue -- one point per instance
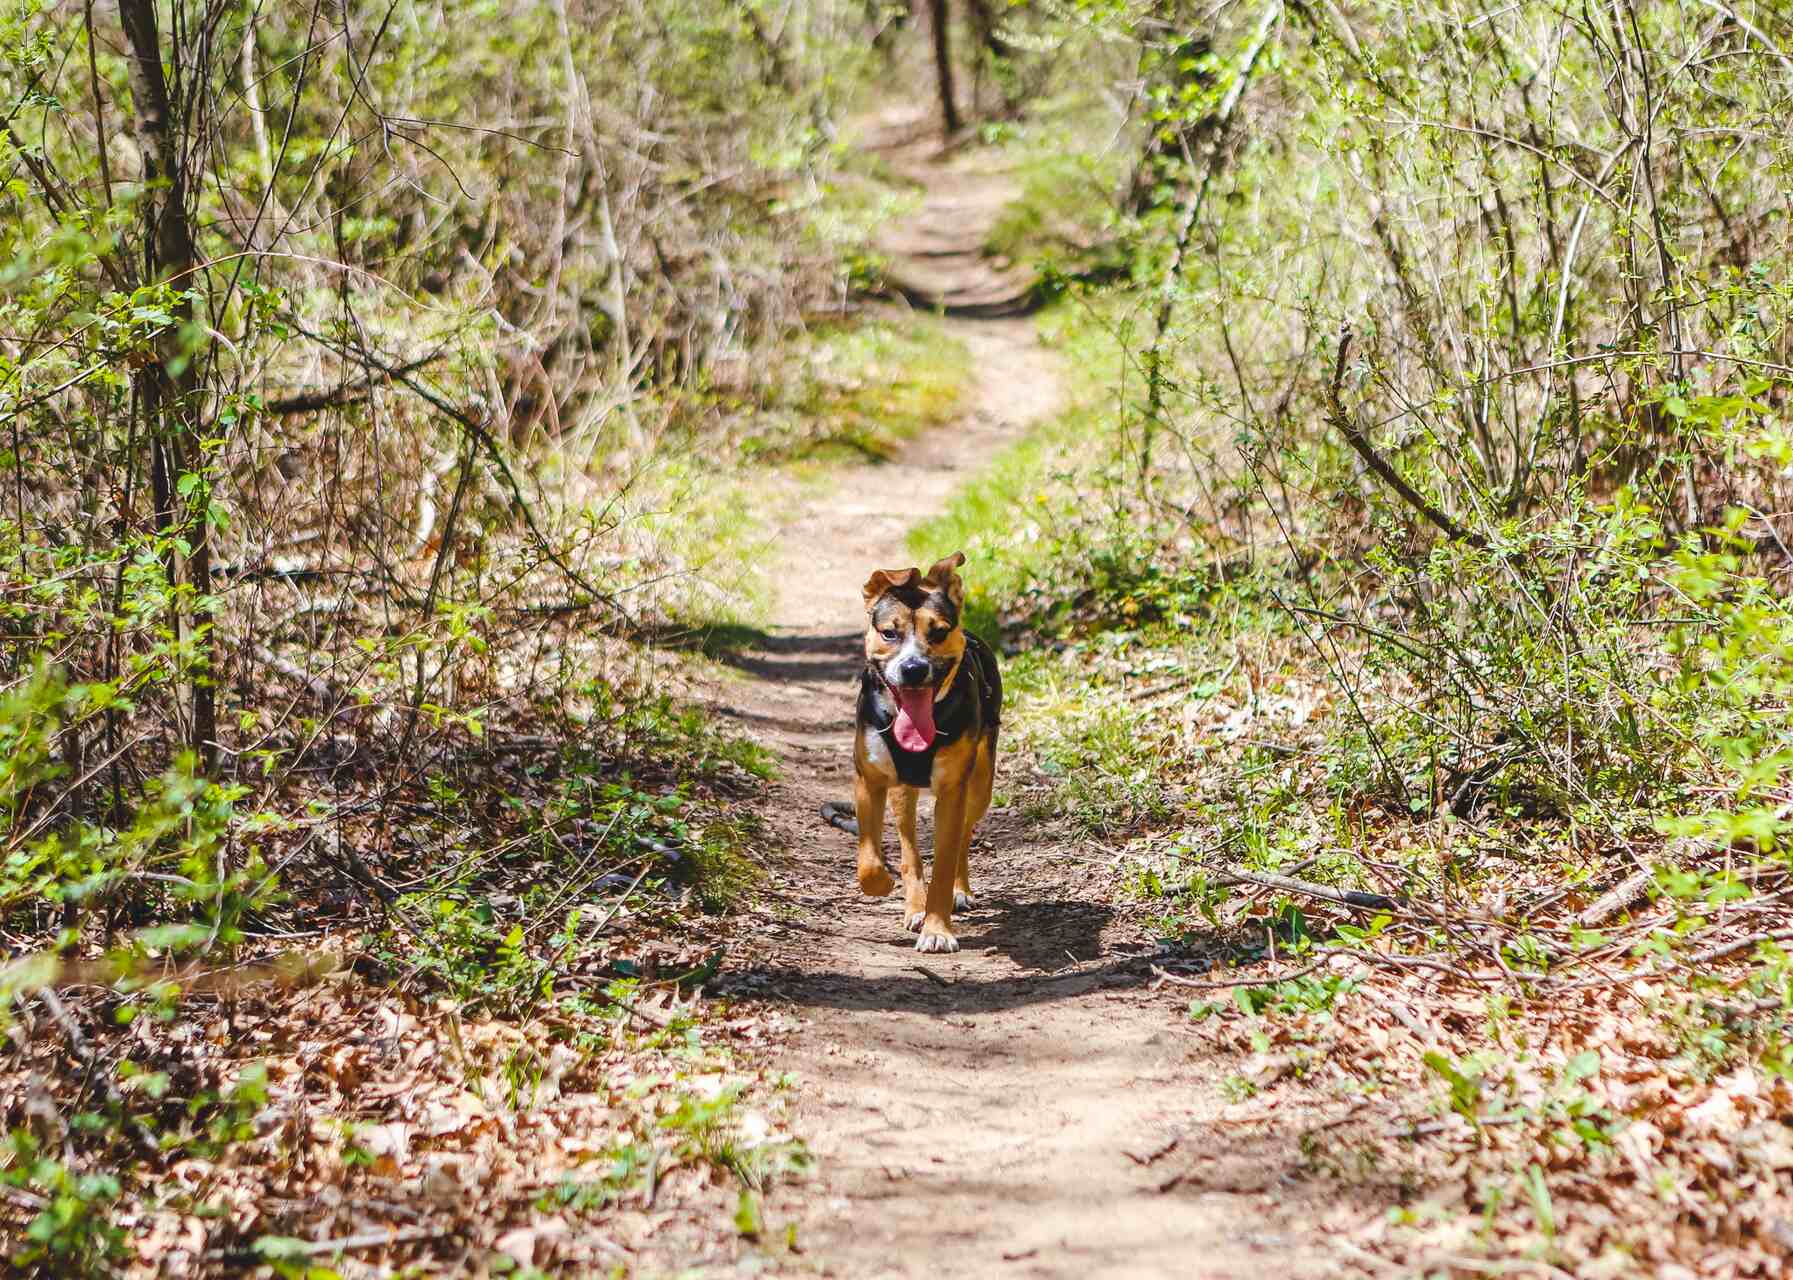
(914, 719)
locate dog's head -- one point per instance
(914, 641)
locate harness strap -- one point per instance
(946, 685)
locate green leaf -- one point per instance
(174, 935)
(1581, 1066)
(747, 1216)
(280, 1248)
(1540, 1198)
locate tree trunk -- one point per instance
(168, 387)
(943, 65)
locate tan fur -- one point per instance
(963, 772)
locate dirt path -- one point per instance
(1025, 1107)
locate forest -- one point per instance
(444, 446)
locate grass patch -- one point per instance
(1062, 210)
(862, 391)
(698, 545)
(1106, 770)
(642, 808)
(853, 393)
(1006, 518)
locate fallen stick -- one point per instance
(1742, 944)
(1258, 980)
(46, 971)
(342, 1244)
(932, 977)
(1616, 899)
(1288, 884)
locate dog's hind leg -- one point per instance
(868, 802)
(915, 886)
(977, 803)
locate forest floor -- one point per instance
(1026, 1107)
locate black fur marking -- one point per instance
(974, 706)
(942, 605)
(914, 597)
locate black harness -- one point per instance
(973, 706)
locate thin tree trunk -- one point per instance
(943, 65)
(252, 100)
(1217, 127)
(169, 387)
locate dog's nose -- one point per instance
(914, 670)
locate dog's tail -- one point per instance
(838, 814)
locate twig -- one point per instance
(1288, 884)
(345, 393)
(1343, 423)
(1426, 1128)
(24, 1199)
(1262, 980)
(1156, 1154)
(1616, 899)
(342, 1244)
(1731, 948)
(77, 1043)
(623, 897)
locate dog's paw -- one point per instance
(963, 901)
(875, 882)
(913, 920)
(936, 939)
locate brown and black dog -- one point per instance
(930, 699)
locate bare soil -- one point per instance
(1027, 1107)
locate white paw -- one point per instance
(913, 921)
(944, 943)
(963, 901)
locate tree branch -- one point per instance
(1354, 436)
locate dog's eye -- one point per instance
(889, 633)
(938, 634)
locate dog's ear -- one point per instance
(942, 576)
(883, 580)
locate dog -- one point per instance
(930, 704)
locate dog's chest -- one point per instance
(876, 756)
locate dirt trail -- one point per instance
(1025, 1107)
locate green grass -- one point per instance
(981, 514)
(998, 517)
(1109, 772)
(702, 546)
(863, 390)
(1062, 207)
(854, 393)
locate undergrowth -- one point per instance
(1591, 704)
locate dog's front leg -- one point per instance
(949, 832)
(915, 884)
(868, 803)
